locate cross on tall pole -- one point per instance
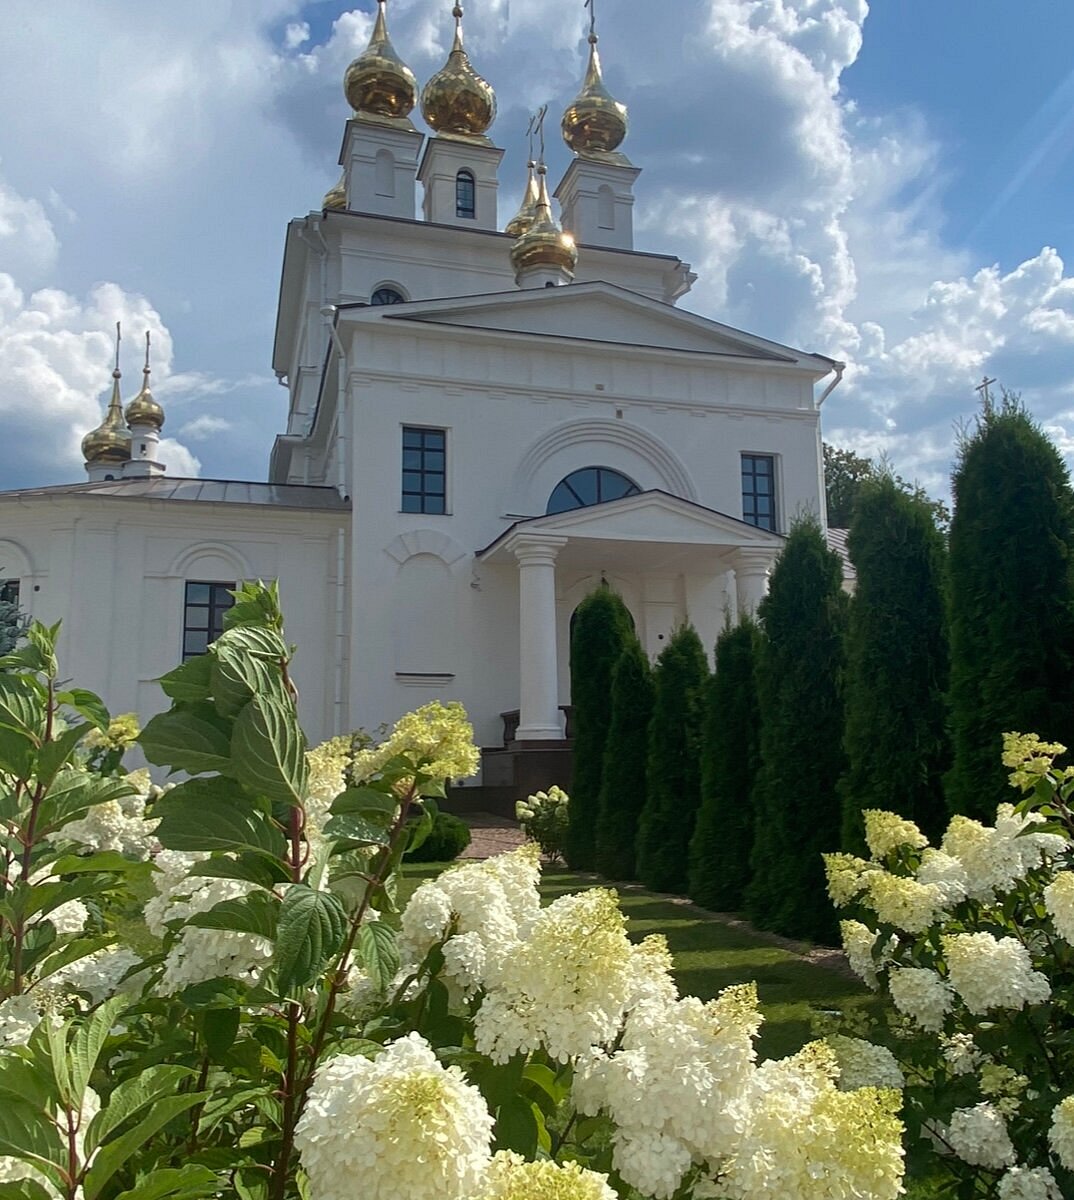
(592, 6)
(982, 387)
(536, 129)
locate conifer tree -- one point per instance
(896, 671)
(1011, 618)
(623, 784)
(723, 837)
(12, 623)
(796, 807)
(674, 769)
(599, 631)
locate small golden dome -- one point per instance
(595, 123)
(378, 81)
(109, 442)
(527, 214)
(544, 244)
(336, 196)
(457, 101)
(143, 409)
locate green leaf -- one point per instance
(16, 752)
(255, 913)
(189, 682)
(114, 1155)
(43, 637)
(131, 1096)
(517, 1127)
(20, 708)
(24, 1189)
(101, 861)
(56, 753)
(73, 793)
(89, 705)
(379, 952)
(253, 867)
(212, 814)
(367, 801)
(27, 1080)
(357, 829)
(269, 750)
(311, 930)
(27, 1133)
(26, 658)
(183, 1183)
(87, 1042)
(424, 825)
(219, 1028)
(193, 739)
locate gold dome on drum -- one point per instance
(596, 122)
(378, 81)
(457, 101)
(544, 244)
(143, 409)
(336, 196)
(527, 213)
(110, 442)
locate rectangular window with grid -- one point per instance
(424, 470)
(759, 490)
(203, 614)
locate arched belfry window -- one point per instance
(465, 195)
(590, 485)
(387, 295)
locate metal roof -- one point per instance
(203, 491)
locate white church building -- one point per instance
(486, 422)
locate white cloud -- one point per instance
(204, 426)
(297, 33)
(28, 243)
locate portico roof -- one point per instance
(651, 530)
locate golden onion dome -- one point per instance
(527, 213)
(457, 101)
(336, 196)
(143, 409)
(110, 442)
(378, 81)
(544, 244)
(595, 123)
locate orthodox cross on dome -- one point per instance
(118, 335)
(592, 6)
(536, 130)
(982, 387)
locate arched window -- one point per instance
(384, 170)
(590, 485)
(387, 295)
(465, 197)
(605, 207)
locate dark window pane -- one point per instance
(590, 485)
(9, 591)
(758, 490)
(561, 500)
(198, 593)
(412, 481)
(434, 460)
(613, 485)
(434, 484)
(412, 504)
(412, 438)
(424, 484)
(434, 439)
(411, 460)
(197, 618)
(195, 643)
(584, 484)
(464, 194)
(222, 594)
(434, 504)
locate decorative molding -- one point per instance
(425, 541)
(15, 560)
(424, 678)
(185, 560)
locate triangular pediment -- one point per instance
(648, 518)
(602, 313)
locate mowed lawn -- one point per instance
(710, 955)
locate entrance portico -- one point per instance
(705, 566)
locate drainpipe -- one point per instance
(331, 313)
(839, 368)
(338, 710)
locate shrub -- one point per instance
(448, 838)
(543, 817)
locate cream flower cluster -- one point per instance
(511, 1177)
(989, 972)
(437, 738)
(118, 825)
(979, 1136)
(904, 903)
(397, 1125)
(1061, 1134)
(1031, 759)
(858, 944)
(996, 858)
(848, 877)
(886, 832)
(554, 798)
(328, 765)
(922, 995)
(864, 1064)
(1059, 901)
(200, 954)
(19, 1017)
(1028, 1183)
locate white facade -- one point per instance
(391, 608)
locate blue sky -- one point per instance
(892, 187)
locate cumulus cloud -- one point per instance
(205, 426)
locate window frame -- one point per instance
(465, 206)
(752, 517)
(633, 490)
(388, 293)
(421, 492)
(214, 610)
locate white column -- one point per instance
(538, 676)
(752, 565)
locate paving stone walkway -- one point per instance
(491, 835)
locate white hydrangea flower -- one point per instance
(961, 1054)
(1059, 901)
(945, 872)
(858, 943)
(100, 974)
(979, 1136)
(864, 1064)
(847, 876)
(118, 825)
(922, 995)
(401, 1124)
(19, 1017)
(650, 1161)
(464, 963)
(1061, 1134)
(1028, 1183)
(511, 1177)
(904, 903)
(1033, 849)
(995, 859)
(887, 831)
(989, 972)
(69, 918)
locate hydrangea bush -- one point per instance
(973, 943)
(544, 817)
(211, 989)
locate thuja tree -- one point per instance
(896, 669)
(622, 788)
(12, 624)
(801, 756)
(723, 838)
(1011, 618)
(673, 779)
(599, 631)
